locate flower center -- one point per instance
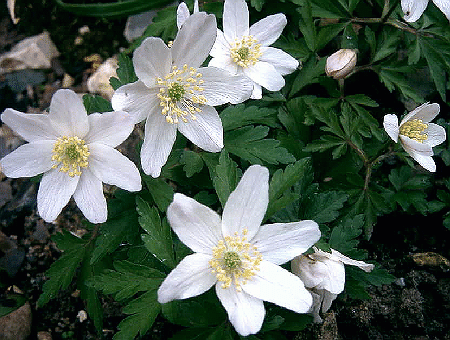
(235, 260)
(70, 154)
(180, 94)
(246, 51)
(414, 129)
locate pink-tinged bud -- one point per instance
(340, 63)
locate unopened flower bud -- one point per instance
(340, 63)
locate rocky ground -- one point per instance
(415, 250)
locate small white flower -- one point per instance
(414, 9)
(340, 63)
(417, 135)
(238, 255)
(324, 274)
(183, 13)
(243, 50)
(75, 152)
(174, 93)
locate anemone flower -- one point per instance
(417, 135)
(241, 49)
(75, 152)
(174, 93)
(238, 255)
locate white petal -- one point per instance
(269, 29)
(390, 124)
(275, 284)
(111, 167)
(367, 267)
(283, 62)
(246, 313)
(265, 75)
(436, 134)
(257, 91)
(205, 131)
(31, 127)
(413, 9)
(425, 161)
(281, 242)
(247, 204)
(327, 299)
(158, 141)
(196, 225)
(426, 112)
(152, 60)
(196, 10)
(182, 14)
(194, 40)
(68, 115)
(109, 128)
(223, 87)
(191, 277)
(136, 99)
(235, 20)
(421, 152)
(221, 46)
(89, 197)
(54, 192)
(444, 6)
(315, 309)
(28, 160)
(225, 63)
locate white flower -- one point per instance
(238, 255)
(340, 63)
(174, 93)
(75, 152)
(183, 13)
(243, 50)
(324, 274)
(414, 9)
(417, 134)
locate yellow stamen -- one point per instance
(246, 51)
(70, 154)
(235, 260)
(414, 129)
(180, 94)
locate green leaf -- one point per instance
(328, 33)
(393, 79)
(309, 74)
(237, 116)
(226, 177)
(126, 280)
(112, 9)
(143, 312)
(306, 25)
(343, 236)
(62, 271)
(279, 194)
(11, 302)
(125, 72)
(94, 103)
(158, 239)
(387, 44)
(257, 4)
(161, 192)
(192, 161)
(249, 143)
(323, 207)
(325, 142)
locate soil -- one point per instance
(416, 306)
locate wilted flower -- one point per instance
(238, 255)
(414, 9)
(174, 93)
(340, 63)
(243, 50)
(417, 134)
(183, 12)
(75, 152)
(324, 275)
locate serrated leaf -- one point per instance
(158, 238)
(325, 142)
(282, 181)
(250, 144)
(94, 103)
(143, 312)
(161, 192)
(327, 33)
(257, 4)
(387, 44)
(226, 177)
(125, 72)
(343, 236)
(323, 207)
(192, 161)
(237, 116)
(307, 26)
(309, 74)
(393, 80)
